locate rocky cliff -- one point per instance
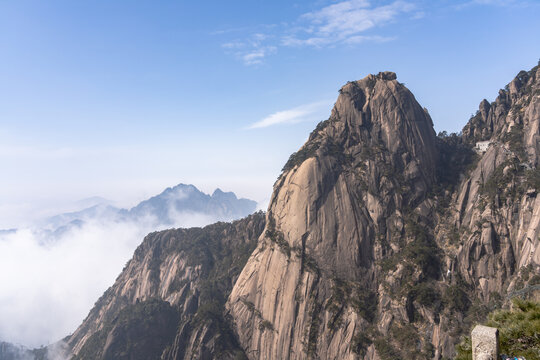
(168, 301)
(347, 221)
(495, 211)
(385, 241)
(382, 240)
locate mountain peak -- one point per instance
(220, 194)
(185, 187)
(383, 75)
(493, 120)
(371, 162)
(368, 82)
(387, 75)
(378, 112)
(188, 198)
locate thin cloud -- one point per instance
(251, 51)
(358, 39)
(495, 2)
(498, 3)
(256, 57)
(295, 115)
(418, 15)
(342, 23)
(233, 45)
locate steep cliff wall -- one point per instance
(321, 274)
(381, 241)
(168, 301)
(496, 210)
(384, 241)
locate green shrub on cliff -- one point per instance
(519, 331)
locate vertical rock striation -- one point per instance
(385, 241)
(338, 210)
(496, 208)
(168, 301)
(381, 241)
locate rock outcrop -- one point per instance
(381, 241)
(495, 211)
(339, 210)
(168, 301)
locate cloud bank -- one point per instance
(49, 283)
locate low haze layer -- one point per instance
(52, 274)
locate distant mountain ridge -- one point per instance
(164, 209)
(187, 198)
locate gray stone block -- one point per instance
(485, 343)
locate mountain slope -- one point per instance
(169, 298)
(381, 241)
(337, 212)
(373, 248)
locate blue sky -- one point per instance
(123, 98)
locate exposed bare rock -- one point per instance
(168, 301)
(381, 241)
(338, 211)
(497, 207)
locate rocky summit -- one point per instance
(386, 241)
(382, 240)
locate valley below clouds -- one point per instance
(53, 273)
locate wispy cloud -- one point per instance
(257, 55)
(295, 115)
(499, 3)
(344, 22)
(251, 51)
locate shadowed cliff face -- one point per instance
(496, 208)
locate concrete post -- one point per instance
(485, 343)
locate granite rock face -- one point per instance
(497, 207)
(167, 302)
(336, 214)
(373, 248)
(382, 240)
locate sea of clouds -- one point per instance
(50, 281)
